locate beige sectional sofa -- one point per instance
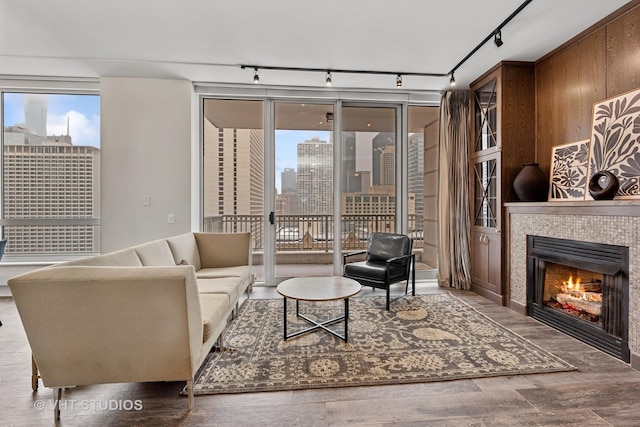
(150, 312)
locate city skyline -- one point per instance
(81, 111)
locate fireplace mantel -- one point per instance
(615, 222)
(582, 207)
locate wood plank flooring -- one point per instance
(602, 392)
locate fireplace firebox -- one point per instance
(581, 289)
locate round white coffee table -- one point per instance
(317, 289)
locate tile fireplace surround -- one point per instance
(612, 222)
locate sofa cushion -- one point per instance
(214, 309)
(223, 250)
(231, 287)
(155, 253)
(242, 272)
(184, 247)
(123, 258)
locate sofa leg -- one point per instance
(190, 389)
(34, 374)
(57, 397)
(220, 343)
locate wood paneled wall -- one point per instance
(601, 63)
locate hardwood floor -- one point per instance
(602, 392)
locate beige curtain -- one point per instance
(454, 264)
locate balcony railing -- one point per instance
(312, 232)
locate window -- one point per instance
(50, 174)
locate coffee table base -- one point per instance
(318, 325)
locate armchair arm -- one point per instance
(401, 258)
(345, 256)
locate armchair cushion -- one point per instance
(374, 271)
(384, 246)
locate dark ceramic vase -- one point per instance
(603, 185)
(531, 184)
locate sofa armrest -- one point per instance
(93, 325)
(224, 249)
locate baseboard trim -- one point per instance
(492, 296)
(517, 307)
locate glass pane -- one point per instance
(304, 184)
(233, 168)
(486, 116)
(369, 173)
(422, 167)
(51, 171)
(485, 194)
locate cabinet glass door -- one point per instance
(486, 119)
(485, 193)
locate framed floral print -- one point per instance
(569, 171)
(615, 142)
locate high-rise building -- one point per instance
(381, 140)
(388, 165)
(288, 180)
(233, 171)
(35, 113)
(415, 169)
(315, 177)
(350, 183)
(49, 178)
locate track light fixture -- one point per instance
(497, 38)
(452, 80)
(329, 72)
(256, 77)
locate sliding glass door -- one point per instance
(309, 179)
(304, 193)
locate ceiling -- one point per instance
(207, 40)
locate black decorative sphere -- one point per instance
(605, 190)
(531, 184)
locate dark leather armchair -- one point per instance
(389, 259)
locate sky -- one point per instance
(83, 112)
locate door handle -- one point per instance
(272, 218)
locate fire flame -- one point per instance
(574, 288)
(570, 285)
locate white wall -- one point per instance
(145, 134)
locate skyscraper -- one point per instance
(388, 165)
(35, 113)
(415, 169)
(288, 180)
(233, 171)
(383, 139)
(315, 177)
(350, 184)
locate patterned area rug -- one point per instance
(423, 338)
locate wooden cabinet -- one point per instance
(502, 140)
(485, 271)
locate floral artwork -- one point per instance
(569, 171)
(615, 142)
